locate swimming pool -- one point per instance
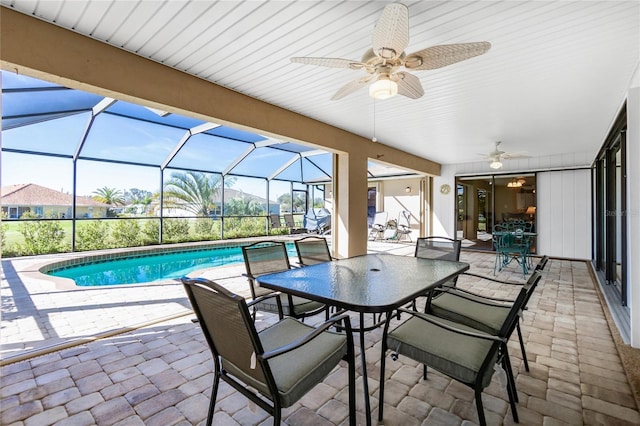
(150, 267)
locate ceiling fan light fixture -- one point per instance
(495, 164)
(383, 88)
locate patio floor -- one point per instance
(130, 355)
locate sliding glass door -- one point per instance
(610, 210)
(486, 201)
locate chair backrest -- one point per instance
(289, 221)
(507, 327)
(312, 250)
(542, 263)
(227, 325)
(265, 257)
(274, 219)
(380, 219)
(442, 248)
(519, 304)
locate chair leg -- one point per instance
(277, 416)
(506, 362)
(214, 394)
(524, 353)
(481, 418)
(424, 371)
(511, 390)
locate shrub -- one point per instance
(126, 233)
(206, 229)
(150, 231)
(41, 236)
(175, 230)
(92, 235)
(244, 227)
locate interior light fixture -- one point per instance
(383, 88)
(515, 183)
(531, 210)
(495, 164)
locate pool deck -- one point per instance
(130, 355)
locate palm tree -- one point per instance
(111, 196)
(195, 192)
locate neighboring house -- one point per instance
(45, 202)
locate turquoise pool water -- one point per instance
(153, 267)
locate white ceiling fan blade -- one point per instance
(513, 155)
(391, 34)
(328, 62)
(445, 54)
(351, 87)
(408, 85)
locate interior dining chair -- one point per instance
(458, 351)
(481, 312)
(275, 367)
(267, 257)
(312, 250)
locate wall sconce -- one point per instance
(407, 189)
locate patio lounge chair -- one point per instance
(275, 367)
(379, 225)
(403, 226)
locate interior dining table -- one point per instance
(371, 283)
(517, 247)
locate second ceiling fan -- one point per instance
(385, 62)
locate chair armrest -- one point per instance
(309, 337)
(484, 277)
(430, 319)
(262, 298)
(470, 295)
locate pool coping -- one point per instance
(40, 270)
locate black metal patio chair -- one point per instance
(274, 367)
(267, 257)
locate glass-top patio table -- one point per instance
(372, 283)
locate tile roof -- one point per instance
(30, 194)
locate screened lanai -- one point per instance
(82, 144)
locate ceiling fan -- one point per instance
(497, 155)
(385, 61)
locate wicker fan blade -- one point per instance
(445, 54)
(329, 62)
(351, 87)
(391, 34)
(408, 85)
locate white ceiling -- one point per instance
(552, 83)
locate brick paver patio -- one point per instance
(158, 372)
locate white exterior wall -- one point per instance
(395, 198)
